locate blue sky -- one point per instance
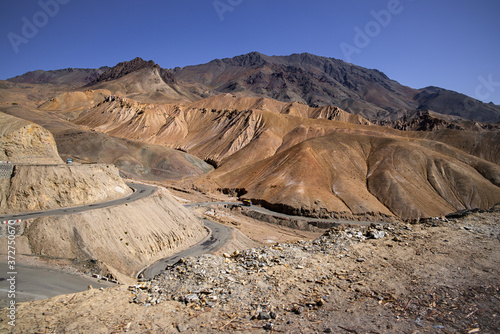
(452, 44)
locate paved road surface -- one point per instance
(194, 205)
(34, 283)
(281, 215)
(140, 191)
(219, 236)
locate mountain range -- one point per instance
(300, 134)
(313, 80)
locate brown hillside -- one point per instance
(137, 159)
(207, 132)
(71, 101)
(355, 174)
(232, 102)
(146, 84)
(26, 142)
(483, 144)
(309, 166)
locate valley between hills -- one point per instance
(379, 201)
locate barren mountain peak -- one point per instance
(304, 77)
(122, 69)
(252, 59)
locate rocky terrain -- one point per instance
(71, 76)
(136, 159)
(482, 144)
(299, 134)
(73, 102)
(37, 188)
(428, 120)
(435, 276)
(144, 81)
(124, 68)
(266, 148)
(296, 159)
(40, 180)
(358, 175)
(243, 136)
(321, 81)
(452, 103)
(25, 142)
(313, 80)
(117, 241)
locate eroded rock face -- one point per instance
(125, 239)
(33, 188)
(70, 101)
(310, 160)
(25, 142)
(40, 180)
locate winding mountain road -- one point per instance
(140, 191)
(33, 283)
(221, 233)
(218, 237)
(282, 215)
(38, 283)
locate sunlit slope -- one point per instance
(358, 174)
(25, 142)
(309, 166)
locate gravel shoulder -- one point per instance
(218, 237)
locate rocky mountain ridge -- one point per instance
(287, 156)
(313, 80)
(124, 68)
(65, 76)
(428, 120)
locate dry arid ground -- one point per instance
(297, 134)
(435, 276)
